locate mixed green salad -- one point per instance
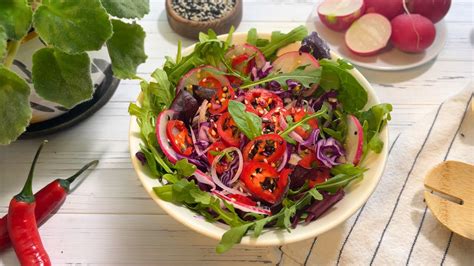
(254, 137)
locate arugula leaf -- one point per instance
(15, 112)
(126, 49)
(231, 237)
(15, 18)
(305, 77)
(61, 77)
(315, 194)
(228, 40)
(252, 36)
(279, 40)
(292, 125)
(373, 121)
(127, 8)
(184, 168)
(249, 123)
(3, 42)
(350, 93)
(73, 26)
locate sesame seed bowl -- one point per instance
(188, 18)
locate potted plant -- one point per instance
(61, 68)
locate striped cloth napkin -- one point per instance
(395, 226)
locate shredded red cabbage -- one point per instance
(328, 151)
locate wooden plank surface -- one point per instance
(110, 219)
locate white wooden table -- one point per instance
(110, 219)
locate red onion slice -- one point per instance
(216, 179)
(242, 206)
(165, 146)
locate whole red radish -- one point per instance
(435, 10)
(386, 8)
(412, 33)
(338, 15)
(368, 35)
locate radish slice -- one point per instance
(242, 206)
(249, 50)
(165, 146)
(195, 75)
(338, 15)
(355, 140)
(369, 34)
(290, 61)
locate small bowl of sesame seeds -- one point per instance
(189, 17)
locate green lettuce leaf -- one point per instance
(279, 40)
(126, 49)
(373, 121)
(73, 26)
(15, 112)
(127, 8)
(3, 42)
(61, 77)
(249, 123)
(15, 17)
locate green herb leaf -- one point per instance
(126, 49)
(305, 77)
(315, 194)
(184, 168)
(73, 26)
(15, 17)
(164, 192)
(15, 112)
(61, 77)
(3, 42)
(249, 123)
(232, 237)
(252, 36)
(374, 121)
(164, 93)
(279, 40)
(127, 8)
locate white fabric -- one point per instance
(395, 227)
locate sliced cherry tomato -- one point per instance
(263, 181)
(220, 100)
(179, 137)
(271, 121)
(242, 199)
(261, 101)
(298, 114)
(210, 83)
(320, 176)
(227, 130)
(214, 149)
(266, 148)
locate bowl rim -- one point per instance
(281, 237)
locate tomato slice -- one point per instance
(261, 101)
(220, 101)
(266, 148)
(228, 131)
(271, 121)
(263, 181)
(298, 114)
(320, 176)
(214, 149)
(179, 137)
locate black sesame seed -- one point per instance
(202, 10)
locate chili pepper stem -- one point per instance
(26, 193)
(66, 183)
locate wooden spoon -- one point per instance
(453, 205)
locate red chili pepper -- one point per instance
(22, 227)
(48, 199)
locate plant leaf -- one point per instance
(73, 26)
(252, 36)
(62, 78)
(279, 40)
(15, 109)
(127, 8)
(249, 123)
(126, 49)
(3, 42)
(15, 17)
(232, 237)
(184, 168)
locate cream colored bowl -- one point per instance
(356, 194)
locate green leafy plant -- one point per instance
(61, 70)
